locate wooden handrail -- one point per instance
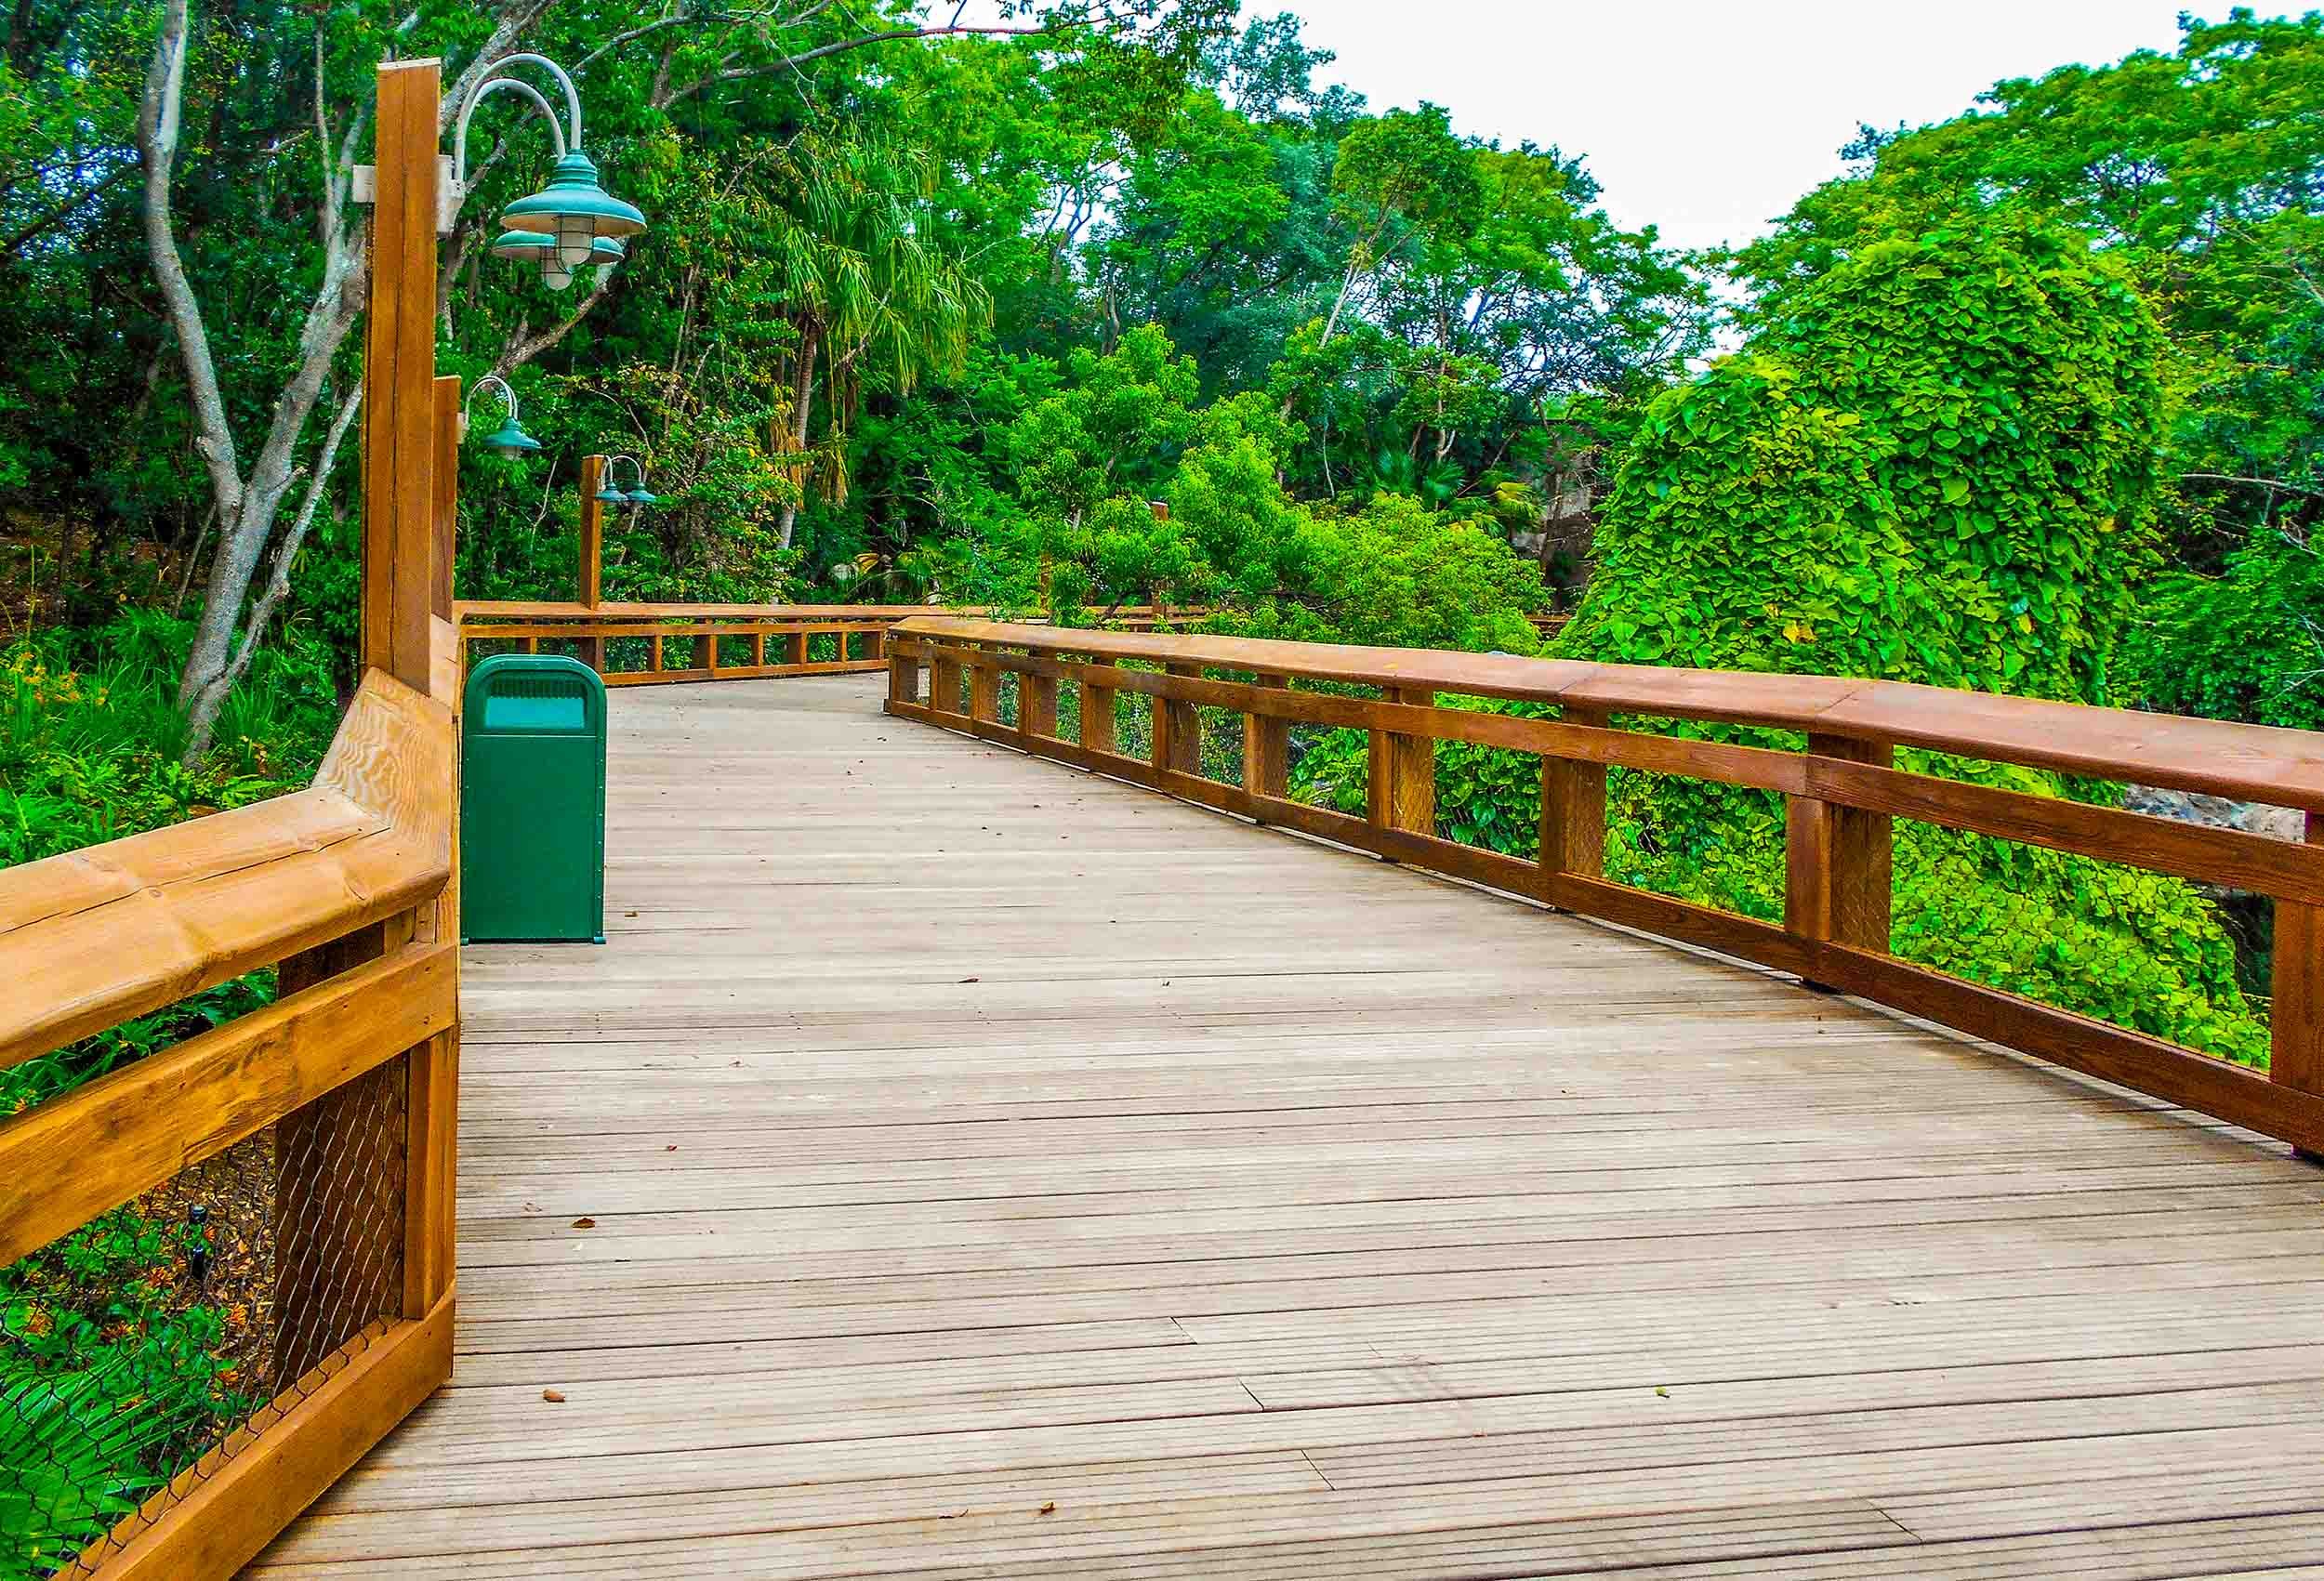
(2284, 767)
(102, 935)
(586, 629)
(1842, 791)
(348, 889)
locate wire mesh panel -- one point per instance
(144, 1349)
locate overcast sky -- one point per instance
(1710, 117)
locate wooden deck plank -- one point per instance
(961, 1135)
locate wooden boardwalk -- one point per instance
(956, 1165)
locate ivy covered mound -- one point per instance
(1934, 464)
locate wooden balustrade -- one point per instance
(348, 1078)
(859, 630)
(1842, 792)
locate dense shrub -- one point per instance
(2246, 644)
(1937, 468)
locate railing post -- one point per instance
(1176, 730)
(1837, 860)
(400, 436)
(2296, 1025)
(1402, 784)
(709, 640)
(945, 678)
(983, 688)
(591, 580)
(1573, 808)
(1267, 748)
(1037, 704)
(795, 648)
(903, 677)
(759, 650)
(1097, 709)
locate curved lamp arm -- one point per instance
(572, 94)
(491, 381)
(635, 466)
(476, 97)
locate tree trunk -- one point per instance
(802, 404)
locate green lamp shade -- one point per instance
(575, 210)
(527, 247)
(612, 495)
(640, 497)
(607, 251)
(537, 247)
(511, 438)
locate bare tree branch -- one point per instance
(278, 578)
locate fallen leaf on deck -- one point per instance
(554, 1396)
(585, 1222)
(1049, 1509)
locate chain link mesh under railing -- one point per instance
(141, 1352)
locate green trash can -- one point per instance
(533, 800)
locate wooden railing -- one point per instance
(682, 642)
(1841, 794)
(348, 1078)
(306, 1148)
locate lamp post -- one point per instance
(636, 498)
(573, 222)
(511, 436)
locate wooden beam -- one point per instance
(1838, 859)
(447, 498)
(213, 1519)
(400, 423)
(1266, 747)
(1573, 808)
(590, 571)
(1400, 791)
(903, 677)
(984, 690)
(64, 1162)
(1037, 704)
(2296, 1023)
(1176, 730)
(1097, 707)
(946, 679)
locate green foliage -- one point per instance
(2246, 644)
(111, 1380)
(2195, 170)
(1938, 467)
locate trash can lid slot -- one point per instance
(518, 711)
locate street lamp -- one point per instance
(611, 493)
(511, 436)
(571, 223)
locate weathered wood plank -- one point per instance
(1275, 1212)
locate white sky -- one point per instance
(1708, 117)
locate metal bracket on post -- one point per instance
(364, 189)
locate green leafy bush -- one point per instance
(2248, 644)
(1938, 468)
(111, 1379)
